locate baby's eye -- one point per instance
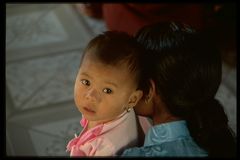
(85, 82)
(107, 90)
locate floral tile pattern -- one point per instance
(43, 29)
(61, 132)
(33, 29)
(45, 132)
(43, 53)
(38, 82)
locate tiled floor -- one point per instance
(44, 44)
(49, 78)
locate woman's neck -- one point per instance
(162, 114)
(159, 119)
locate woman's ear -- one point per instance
(151, 93)
(134, 98)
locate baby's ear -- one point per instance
(134, 98)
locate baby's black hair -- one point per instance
(114, 48)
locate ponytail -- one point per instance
(208, 125)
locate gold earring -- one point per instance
(128, 109)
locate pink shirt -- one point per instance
(145, 124)
(106, 139)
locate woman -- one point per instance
(183, 73)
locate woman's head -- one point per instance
(184, 69)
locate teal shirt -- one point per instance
(168, 140)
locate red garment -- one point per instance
(131, 17)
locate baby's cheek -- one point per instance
(77, 88)
(77, 100)
(77, 96)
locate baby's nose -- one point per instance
(93, 95)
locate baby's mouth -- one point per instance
(88, 110)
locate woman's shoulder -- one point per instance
(169, 139)
(178, 148)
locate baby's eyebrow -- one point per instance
(111, 83)
(85, 74)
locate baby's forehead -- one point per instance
(117, 72)
(119, 65)
(120, 62)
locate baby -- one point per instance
(106, 90)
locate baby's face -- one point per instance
(101, 91)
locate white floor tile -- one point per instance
(35, 30)
(46, 145)
(43, 132)
(38, 82)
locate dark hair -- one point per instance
(186, 69)
(114, 48)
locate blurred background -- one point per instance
(44, 43)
